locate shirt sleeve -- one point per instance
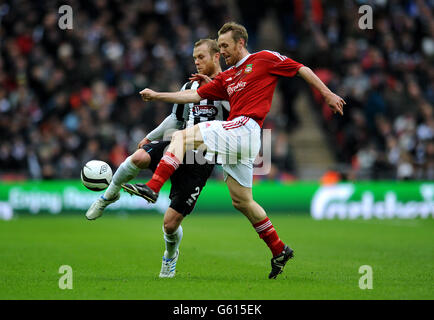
(282, 65)
(175, 106)
(170, 123)
(213, 90)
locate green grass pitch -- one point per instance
(119, 257)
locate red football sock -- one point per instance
(267, 233)
(167, 166)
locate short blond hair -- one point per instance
(212, 45)
(238, 31)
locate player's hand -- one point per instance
(148, 94)
(201, 78)
(335, 102)
(143, 142)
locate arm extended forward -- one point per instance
(180, 97)
(335, 102)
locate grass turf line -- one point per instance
(222, 257)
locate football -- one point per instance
(96, 175)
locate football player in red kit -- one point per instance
(248, 85)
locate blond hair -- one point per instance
(238, 31)
(212, 45)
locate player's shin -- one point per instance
(167, 166)
(267, 233)
(172, 241)
(126, 171)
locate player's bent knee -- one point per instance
(172, 221)
(240, 205)
(170, 226)
(141, 159)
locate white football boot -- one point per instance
(168, 266)
(96, 209)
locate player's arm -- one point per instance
(201, 78)
(335, 102)
(286, 67)
(170, 123)
(180, 97)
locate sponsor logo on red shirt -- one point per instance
(236, 87)
(204, 110)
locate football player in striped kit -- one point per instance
(192, 175)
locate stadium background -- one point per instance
(69, 96)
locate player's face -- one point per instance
(229, 49)
(203, 60)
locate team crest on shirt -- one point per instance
(249, 68)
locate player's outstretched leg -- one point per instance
(96, 209)
(182, 140)
(242, 200)
(141, 190)
(172, 230)
(126, 171)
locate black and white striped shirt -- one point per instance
(187, 115)
(205, 110)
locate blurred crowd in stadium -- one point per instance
(387, 78)
(68, 96)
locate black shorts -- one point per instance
(187, 181)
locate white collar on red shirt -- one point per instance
(242, 61)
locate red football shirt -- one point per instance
(250, 84)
